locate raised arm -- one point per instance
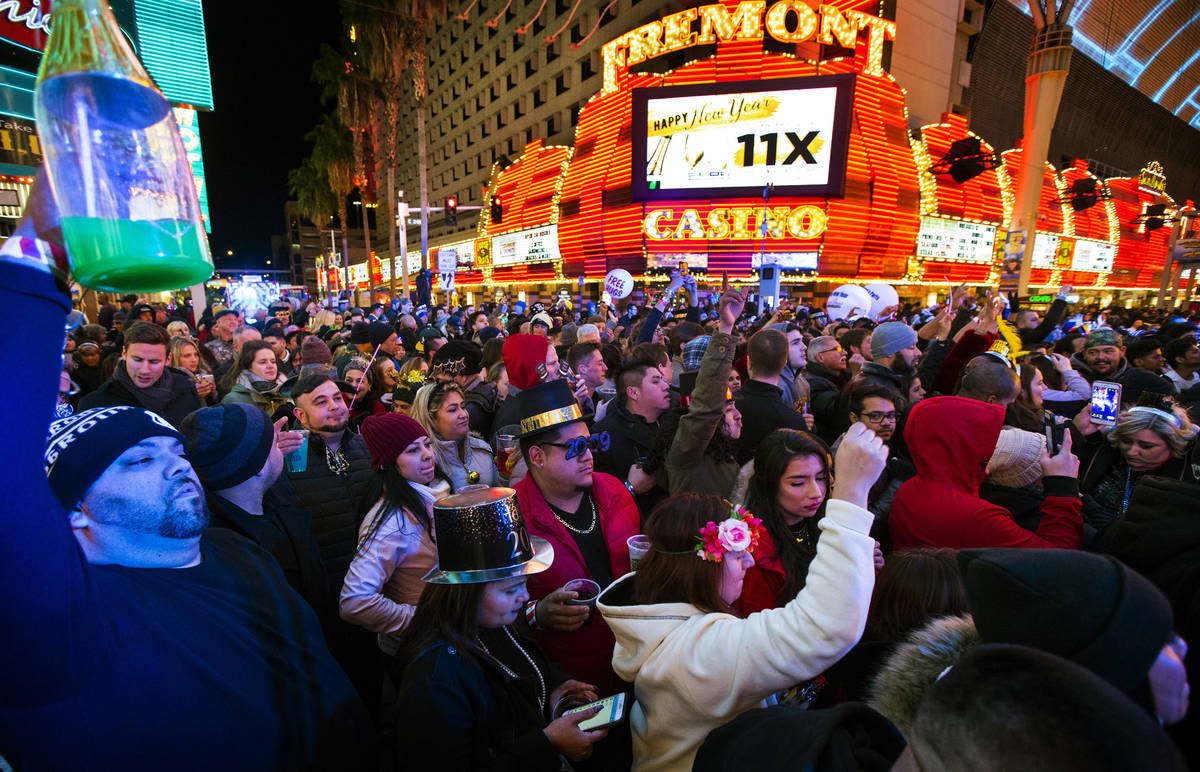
(41, 566)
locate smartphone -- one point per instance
(1106, 403)
(1054, 437)
(612, 710)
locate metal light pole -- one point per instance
(1045, 76)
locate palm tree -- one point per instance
(333, 152)
(308, 184)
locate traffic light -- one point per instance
(450, 209)
(497, 210)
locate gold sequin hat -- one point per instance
(481, 537)
(546, 406)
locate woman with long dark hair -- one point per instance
(476, 692)
(254, 379)
(395, 538)
(694, 663)
(788, 491)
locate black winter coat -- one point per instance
(763, 411)
(335, 502)
(630, 438)
(824, 395)
(461, 712)
(183, 399)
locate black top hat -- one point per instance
(481, 537)
(547, 405)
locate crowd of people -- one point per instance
(423, 537)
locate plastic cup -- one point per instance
(586, 589)
(605, 393)
(297, 460)
(639, 545)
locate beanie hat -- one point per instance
(360, 333)
(1135, 382)
(80, 447)
(314, 351)
(1017, 460)
(569, 334)
(387, 435)
(486, 334)
(522, 354)
(353, 363)
(1091, 609)
(544, 319)
(378, 332)
(408, 336)
(890, 337)
(693, 352)
(458, 357)
(1104, 336)
(228, 444)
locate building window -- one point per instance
(560, 83)
(586, 69)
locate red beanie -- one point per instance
(522, 354)
(388, 435)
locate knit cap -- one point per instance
(360, 333)
(379, 332)
(1088, 608)
(228, 444)
(353, 363)
(543, 318)
(569, 334)
(388, 435)
(693, 352)
(890, 337)
(458, 357)
(486, 334)
(1104, 336)
(522, 354)
(80, 447)
(1017, 460)
(314, 351)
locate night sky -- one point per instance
(261, 57)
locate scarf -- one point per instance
(439, 488)
(156, 397)
(255, 385)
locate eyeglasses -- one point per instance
(878, 418)
(577, 446)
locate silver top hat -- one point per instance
(481, 537)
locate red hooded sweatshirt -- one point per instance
(951, 440)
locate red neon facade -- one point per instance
(1140, 253)
(1050, 218)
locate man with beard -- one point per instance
(894, 356)
(1102, 358)
(331, 484)
(143, 379)
(133, 632)
(587, 516)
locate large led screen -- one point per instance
(734, 139)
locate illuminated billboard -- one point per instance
(1092, 256)
(1045, 249)
(944, 239)
(535, 245)
(735, 138)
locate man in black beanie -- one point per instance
(1090, 609)
(233, 450)
(382, 336)
(360, 345)
(1016, 708)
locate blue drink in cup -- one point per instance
(297, 460)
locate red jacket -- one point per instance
(587, 653)
(951, 440)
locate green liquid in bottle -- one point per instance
(135, 255)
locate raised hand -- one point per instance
(860, 460)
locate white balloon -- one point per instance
(848, 302)
(882, 296)
(618, 283)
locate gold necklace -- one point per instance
(569, 527)
(337, 463)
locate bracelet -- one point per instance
(629, 488)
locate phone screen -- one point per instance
(612, 709)
(1106, 403)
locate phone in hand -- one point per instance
(1106, 403)
(1054, 436)
(612, 710)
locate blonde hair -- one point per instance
(1177, 436)
(322, 318)
(178, 329)
(427, 401)
(177, 344)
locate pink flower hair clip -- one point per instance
(740, 532)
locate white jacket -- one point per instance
(694, 671)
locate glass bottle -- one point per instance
(117, 166)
